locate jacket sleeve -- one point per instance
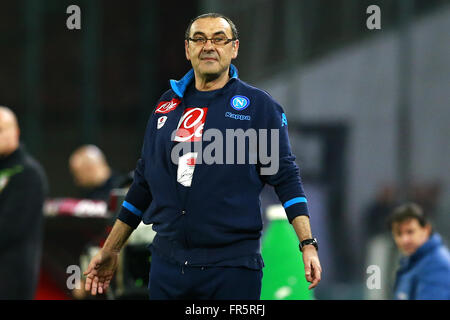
(138, 197)
(284, 176)
(22, 209)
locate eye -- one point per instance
(219, 39)
(199, 39)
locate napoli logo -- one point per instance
(239, 102)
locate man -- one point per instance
(207, 215)
(424, 271)
(92, 173)
(23, 188)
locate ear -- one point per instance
(17, 139)
(186, 49)
(235, 49)
(429, 228)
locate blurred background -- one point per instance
(368, 110)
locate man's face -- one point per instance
(210, 60)
(409, 235)
(9, 133)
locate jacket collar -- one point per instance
(432, 243)
(13, 158)
(179, 87)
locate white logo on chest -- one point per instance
(186, 166)
(161, 121)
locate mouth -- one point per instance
(208, 59)
(408, 249)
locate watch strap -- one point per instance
(306, 242)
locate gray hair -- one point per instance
(234, 30)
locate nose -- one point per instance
(208, 45)
(404, 240)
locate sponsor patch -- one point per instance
(161, 122)
(190, 127)
(186, 166)
(167, 106)
(237, 116)
(239, 103)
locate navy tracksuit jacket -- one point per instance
(217, 222)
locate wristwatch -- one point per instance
(312, 241)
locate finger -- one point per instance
(317, 266)
(308, 272)
(316, 280)
(101, 285)
(314, 284)
(317, 275)
(87, 285)
(106, 286)
(89, 268)
(94, 286)
(316, 269)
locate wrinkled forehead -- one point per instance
(211, 26)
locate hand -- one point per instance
(313, 270)
(100, 271)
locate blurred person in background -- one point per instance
(424, 272)
(379, 210)
(23, 187)
(427, 195)
(92, 173)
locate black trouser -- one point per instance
(169, 280)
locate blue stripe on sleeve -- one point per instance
(132, 208)
(289, 203)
